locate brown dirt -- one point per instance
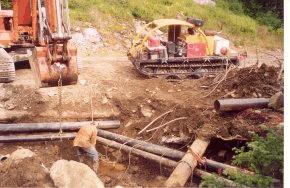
(118, 92)
(20, 97)
(251, 82)
(20, 174)
(113, 170)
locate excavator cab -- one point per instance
(40, 33)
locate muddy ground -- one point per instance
(109, 87)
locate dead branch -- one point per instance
(177, 119)
(216, 86)
(153, 121)
(237, 137)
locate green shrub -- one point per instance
(263, 155)
(212, 182)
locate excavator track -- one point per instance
(184, 67)
(7, 68)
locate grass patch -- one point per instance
(117, 13)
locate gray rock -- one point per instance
(146, 111)
(21, 154)
(72, 174)
(277, 101)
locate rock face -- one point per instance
(72, 174)
(205, 2)
(21, 154)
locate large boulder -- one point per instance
(72, 174)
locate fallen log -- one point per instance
(159, 159)
(227, 105)
(187, 164)
(54, 126)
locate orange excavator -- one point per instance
(38, 31)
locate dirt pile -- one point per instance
(251, 82)
(20, 174)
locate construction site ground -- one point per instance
(110, 88)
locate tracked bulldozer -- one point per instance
(38, 31)
(179, 48)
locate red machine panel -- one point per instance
(196, 50)
(24, 13)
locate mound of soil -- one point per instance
(252, 82)
(25, 173)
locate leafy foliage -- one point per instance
(252, 180)
(212, 182)
(268, 12)
(263, 155)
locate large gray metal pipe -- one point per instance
(227, 105)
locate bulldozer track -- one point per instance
(183, 67)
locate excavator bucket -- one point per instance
(48, 72)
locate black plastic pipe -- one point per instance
(54, 126)
(227, 105)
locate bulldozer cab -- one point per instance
(177, 31)
(175, 48)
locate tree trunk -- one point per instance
(187, 164)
